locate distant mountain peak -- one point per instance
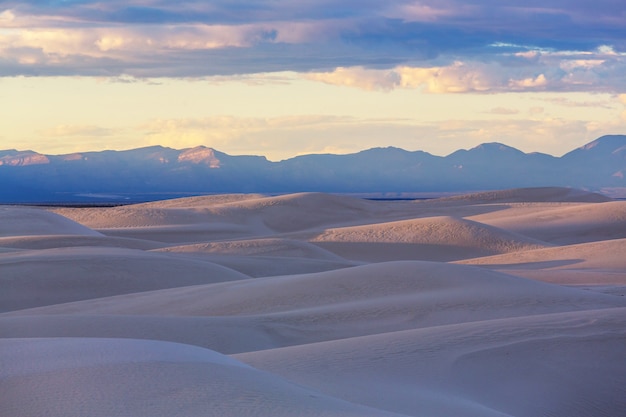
(30, 176)
(603, 146)
(488, 149)
(495, 146)
(23, 158)
(618, 141)
(200, 155)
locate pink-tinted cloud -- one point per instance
(437, 45)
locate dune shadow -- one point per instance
(533, 265)
(384, 251)
(444, 208)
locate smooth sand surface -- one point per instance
(504, 303)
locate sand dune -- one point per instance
(22, 221)
(526, 195)
(565, 224)
(596, 265)
(433, 287)
(105, 377)
(592, 255)
(568, 364)
(65, 241)
(291, 310)
(209, 218)
(264, 257)
(281, 214)
(51, 276)
(257, 247)
(433, 238)
(224, 334)
(504, 303)
(201, 201)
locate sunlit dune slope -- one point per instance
(282, 213)
(591, 255)
(567, 224)
(432, 238)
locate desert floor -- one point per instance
(508, 303)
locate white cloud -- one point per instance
(503, 111)
(535, 70)
(284, 137)
(359, 77)
(529, 83)
(458, 77)
(125, 43)
(622, 99)
(76, 130)
(7, 17)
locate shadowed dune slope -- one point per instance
(65, 241)
(223, 334)
(23, 221)
(264, 257)
(257, 247)
(489, 368)
(427, 287)
(147, 378)
(51, 276)
(526, 195)
(284, 311)
(267, 266)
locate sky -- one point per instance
(282, 78)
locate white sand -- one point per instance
(326, 305)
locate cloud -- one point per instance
(76, 130)
(275, 137)
(440, 46)
(566, 102)
(459, 77)
(622, 99)
(284, 137)
(534, 70)
(503, 111)
(529, 83)
(455, 78)
(359, 77)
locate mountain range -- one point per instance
(159, 172)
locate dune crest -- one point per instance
(436, 238)
(529, 195)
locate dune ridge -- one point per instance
(504, 303)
